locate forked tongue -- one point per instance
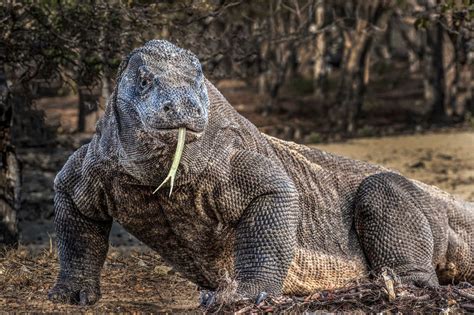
(176, 159)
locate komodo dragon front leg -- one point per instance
(265, 227)
(83, 244)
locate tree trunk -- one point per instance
(415, 48)
(104, 92)
(462, 96)
(355, 64)
(459, 85)
(319, 71)
(10, 176)
(278, 55)
(435, 84)
(88, 110)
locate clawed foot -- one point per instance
(208, 298)
(261, 297)
(421, 280)
(75, 293)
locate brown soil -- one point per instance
(445, 160)
(132, 281)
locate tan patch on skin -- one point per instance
(311, 271)
(458, 264)
(295, 151)
(225, 264)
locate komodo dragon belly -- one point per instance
(311, 271)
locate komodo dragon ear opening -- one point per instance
(176, 159)
(121, 69)
(111, 105)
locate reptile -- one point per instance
(249, 214)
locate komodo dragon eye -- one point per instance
(145, 80)
(144, 83)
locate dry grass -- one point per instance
(367, 297)
(137, 281)
(131, 282)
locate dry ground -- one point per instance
(139, 282)
(444, 159)
(131, 282)
(135, 280)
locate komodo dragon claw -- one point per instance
(176, 160)
(261, 297)
(207, 298)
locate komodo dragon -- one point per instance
(275, 216)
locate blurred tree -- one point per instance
(359, 21)
(439, 35)
(9, 166)
(321, 18)
(456, 25)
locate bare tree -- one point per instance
(437, 35)
(319, 66)
(458, 36)
(10, 175)
(359, 22)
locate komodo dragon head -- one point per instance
(160, 90)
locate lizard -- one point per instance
(274, 217)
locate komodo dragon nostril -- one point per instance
(167, 107)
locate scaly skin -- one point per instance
(276, 216)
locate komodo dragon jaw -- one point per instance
(176, 159)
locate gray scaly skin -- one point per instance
(274, 216)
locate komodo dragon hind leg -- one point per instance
(393, 230)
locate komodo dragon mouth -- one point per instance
(176, 159)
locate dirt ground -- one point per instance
(136, 280)
(445, 159)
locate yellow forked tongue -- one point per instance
(176, 159)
